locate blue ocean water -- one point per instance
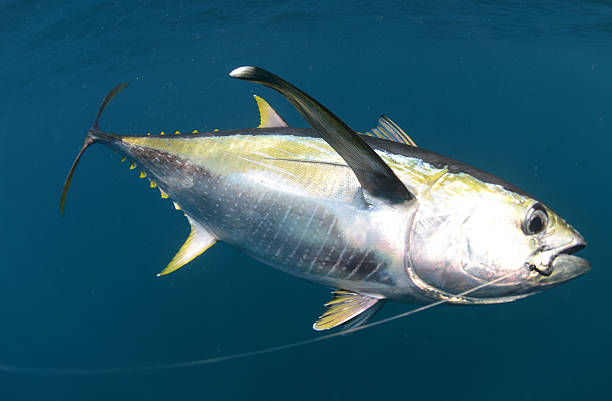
(520, 89)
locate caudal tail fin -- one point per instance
(92, 137)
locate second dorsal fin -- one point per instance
(198, 241)
(387, 129)
(268, 117)
(374, 175)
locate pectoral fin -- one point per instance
(268, 117)
(373, 174)
(349, 308)
(198, 241)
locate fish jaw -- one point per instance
(566, 267)
(557, 264)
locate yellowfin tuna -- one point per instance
(371, 215)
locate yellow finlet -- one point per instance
(148, 133)
(153, 184)
(195, 131)
(176, 206)
(162, 133)
(163, 194)
(143, 174)
(177, 132)
(344, 307)
(268, 117)
(216, 130)
(199, 240)
(122, 159)
(132, 166)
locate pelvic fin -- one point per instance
(347, 307)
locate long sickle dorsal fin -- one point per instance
(373, 174)
(348, 307)
(268, 117)
(198, 241)
(387, 129)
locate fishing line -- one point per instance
(208, 361)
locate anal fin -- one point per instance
(199, 240)
(350, 308)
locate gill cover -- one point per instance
(464, 233)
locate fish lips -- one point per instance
(569, 266)
(566, 266)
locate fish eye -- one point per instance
(536, 220)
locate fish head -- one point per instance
(467, 232)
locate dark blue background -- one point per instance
(522, 90)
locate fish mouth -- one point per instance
(564, 265)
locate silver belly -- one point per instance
(325, 241)
(332, 242)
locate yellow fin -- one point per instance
(348, 307)
(143, 174)
(387, 129)
(152, 184)
(132, 166)
(268, 117)
(198, 241)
